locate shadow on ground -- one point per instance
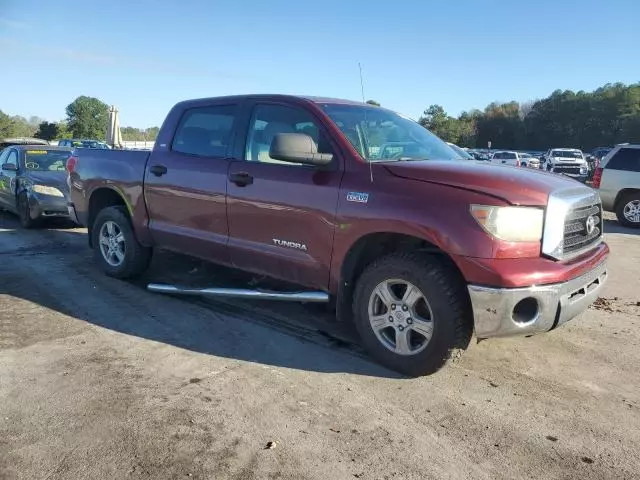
(613, 226)
(57, 273)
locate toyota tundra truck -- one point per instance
(356, 206)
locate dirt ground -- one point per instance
(102, 379)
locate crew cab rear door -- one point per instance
(282, 215)
(186, 183)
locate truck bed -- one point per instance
(119, 170)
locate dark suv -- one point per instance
(618, 182)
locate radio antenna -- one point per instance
(365, 120)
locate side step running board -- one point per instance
(310, 297)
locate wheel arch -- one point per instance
(100, 199)
(623, 193)
(372, 246)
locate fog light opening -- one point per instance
(525, 311)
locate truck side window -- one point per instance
(205, 131)
(269, 120)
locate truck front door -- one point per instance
(282, 215)
(8, 179)
(186, 184)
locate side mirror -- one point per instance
(298, 148)
(10, 167)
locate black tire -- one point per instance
(446, 295)
(24, 212)
(136, 257)
(622, 202)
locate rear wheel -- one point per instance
(412, 313)
(116, 249)
(24, 212)
(628, 210)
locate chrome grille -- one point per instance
(568, 169)
(565, 227)
(576, 233)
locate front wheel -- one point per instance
(24, 212)
(628, 210)
(116, 249)
(412, 312)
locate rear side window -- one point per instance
(205, 131)
(627, 159)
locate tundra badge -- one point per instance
(286, 243)
(358, 197)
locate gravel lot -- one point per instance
(101, 379)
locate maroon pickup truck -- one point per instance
(360, 207)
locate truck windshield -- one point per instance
(46, 160)
(565, 154)
(380, 135)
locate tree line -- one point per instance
(86, 117)
(585, 120)
(604, 117)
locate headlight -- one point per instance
(512, 224)
(45, 190)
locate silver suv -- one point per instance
(617, 179)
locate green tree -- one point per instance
(87, 117)
(152, 133)
(15, 126)
(451, 129)
(6, 125)
(48, 130)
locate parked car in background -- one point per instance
(507, 158)
(6, 142)
(599, 153)
(617, 180)
(33, 182)
(477, 155)
(528, 160)
(72, 143)
(567, 161)
(413, 246)
(461, 151)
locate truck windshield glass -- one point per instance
(380, 135)
(565, 154)
(46, 160)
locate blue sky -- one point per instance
(145, 55)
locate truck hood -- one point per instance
(515, 185)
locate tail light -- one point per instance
(517, 163)
(597, 178)
(72, 161)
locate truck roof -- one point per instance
(273, 96)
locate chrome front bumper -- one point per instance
(502, 312)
